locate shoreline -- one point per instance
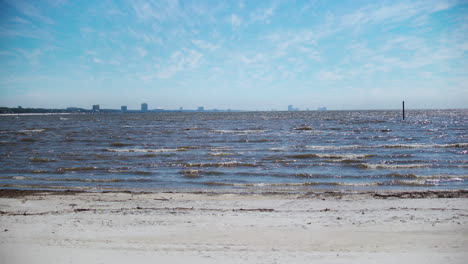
(318, 193)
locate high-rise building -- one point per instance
(291, 108)
(96, 108)
(144, 107)
(123, 108)
(201, 108)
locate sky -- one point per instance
(250, 55)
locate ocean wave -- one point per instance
(143, 150)
(279, 149)
(262, 140)
(403, 183)
(119, 144)
(332, 156)
(345, 147)
(130, 172)
(36, 159)
(42, 172)
(30, 131)
(403, 146)
(65, 169)
(7, 143)
(442, 176)
(220, 154)
(393, 166)
(198, 173)
(414, 183)
(28, 139)
(149, 155)
(24, 178)
(220, 164)
(304, 128)
(444, 180)
(308, 175)
(211, 183)
(190, 173)
(225, 131)
(292, 184)
(415, 146)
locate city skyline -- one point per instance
(249, 55)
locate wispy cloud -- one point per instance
(179, 61)
(158, 10)
(32, 56)
(141, 52)
(377, 14)
(251, 59)
(302, 41)
(145, 36)
(328, 76)
(29, 10)
(263, 15)
(235, 21)
(204, 44)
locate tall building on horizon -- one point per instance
(291, 108)
(144, 107)
(201, 108)
(96, 108)
(123, 108)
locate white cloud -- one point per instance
(141, 52)
(33, 56)
(98, 61)
(22, 27)
(388, 14)
(29, 10)
(204, 44)
(263, 15)
(285, 43)
(178, 62)
(257, 58)
(144, 10)
(167, 10)
(20, 20)
(235, 21)
(145, 37)
(328, 76)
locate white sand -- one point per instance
(231, 228)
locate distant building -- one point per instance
(144, 107)
(201, 108)
(322, 109)
(123, 108)
(291, 108)
(96, 108)
(181, 109)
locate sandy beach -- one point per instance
(204, 227)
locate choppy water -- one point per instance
(257, 150)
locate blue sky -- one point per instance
(234, 54)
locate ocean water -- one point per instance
(345, 150)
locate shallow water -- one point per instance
(258, 150)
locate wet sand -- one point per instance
(206, 227)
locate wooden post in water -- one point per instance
(403, 110)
